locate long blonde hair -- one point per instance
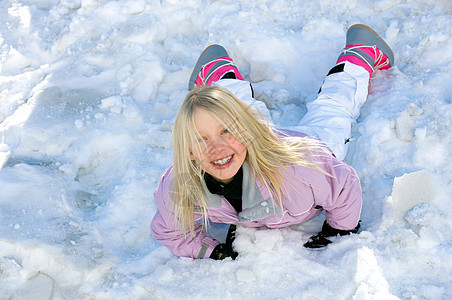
(267, 152)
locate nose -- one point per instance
(216, 145)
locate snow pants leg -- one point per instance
(337, 106)
(242, 89)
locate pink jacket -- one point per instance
(308, 192)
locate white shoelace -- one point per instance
(378, 56)
(206, 79)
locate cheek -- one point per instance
(242, 150)
(197, 155)
(237, 145)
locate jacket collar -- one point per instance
(256, 207)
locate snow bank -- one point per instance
(89, 91)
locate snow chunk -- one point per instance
(413, 110)
(114, 104)
(405, 127)
(78, 124)
(405, 124)
(410, 190)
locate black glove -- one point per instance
(320, 239)
(222, 251)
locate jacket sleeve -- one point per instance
(165, 230)
(339, 194)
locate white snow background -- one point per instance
(88, 94)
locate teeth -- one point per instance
(222, 161)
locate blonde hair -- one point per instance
(267, 152)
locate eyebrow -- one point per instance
(221, 126)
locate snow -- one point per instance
(411, 190)
(89, 91)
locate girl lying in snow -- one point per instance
(231, 166)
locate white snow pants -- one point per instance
(331, 115)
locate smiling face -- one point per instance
(221, 154)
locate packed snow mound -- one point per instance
(88, 94)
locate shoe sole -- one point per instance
(211, 53)
(364, 35)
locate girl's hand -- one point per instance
(320, 239)
(223, 251)
(317, 241)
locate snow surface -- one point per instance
(88, 93)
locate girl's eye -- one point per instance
(225, 131)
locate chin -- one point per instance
(225, 177)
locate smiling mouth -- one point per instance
(222, 161)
